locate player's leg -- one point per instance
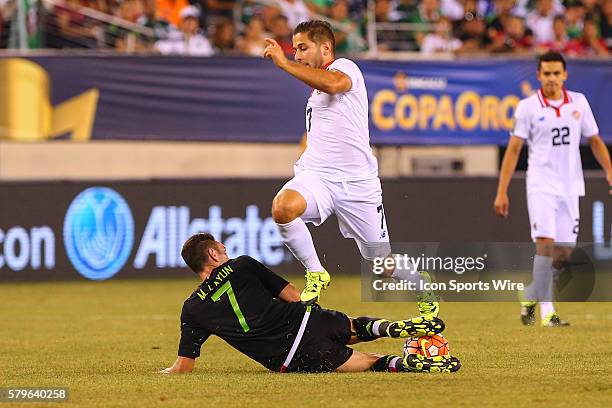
(359, 362)
(371, 328)
(543, 208)
(299, 201)
(361, 216)
(567, 225)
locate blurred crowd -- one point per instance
(208, 27)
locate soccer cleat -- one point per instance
(315, 282)
(528, 313)
(428, 302)
(438, 364)
(415, 327)
(553, 320)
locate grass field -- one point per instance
(105, 341)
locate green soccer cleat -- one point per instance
(315, 282)
(553, 320)
(439, 364)
(528, 313)
(415, 327)
(428, 301)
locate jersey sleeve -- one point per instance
(588, 126)
(192, 337)
(348, 68)
(521, 121)
(271, 281)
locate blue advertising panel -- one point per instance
(250, 100)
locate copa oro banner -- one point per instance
(105, 97)
(468, 101)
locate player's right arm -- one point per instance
(513, 150)
(181, 365)
(502, 202)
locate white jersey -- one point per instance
(338, 146)
(553, 131)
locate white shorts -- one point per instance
(357, 204)
(552, 216)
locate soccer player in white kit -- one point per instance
(337, 173)
(552, 121)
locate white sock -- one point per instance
(546, 308)
(409, 274)
(538, 289)
(297, 238)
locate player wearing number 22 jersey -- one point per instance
(337, 173)
(552, 121)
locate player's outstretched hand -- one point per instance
(501, 205)
(274, 51)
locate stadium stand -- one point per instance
(577, 28)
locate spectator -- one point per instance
(190, 41)
(124, 40)
(69, 28)
(574, 14)
(224, 37)
(427, 13)
(170, 10)
(389, 40)
(591, 10)
(497, 19)
(268, 14)
(295, 11)
(605, 25)
(540, 21)
(441, 40)
(523, 7)
(592, 44)
(283, 34)
(7, 8)
(345, 41)
(320, 6)
(561, 40)
(473, 34)
(402, 10)
(218, 10)
(514, 39)
(456, 9)
(253, 42)
(162, 29)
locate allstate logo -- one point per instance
(98, 232)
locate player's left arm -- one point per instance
(276, 284)
(602, 154)
(331, 82)
(590, 130)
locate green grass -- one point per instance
(106, 341)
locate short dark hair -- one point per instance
(318, 31)
(195, 250)
(551, 56)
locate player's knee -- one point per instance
(286, 207)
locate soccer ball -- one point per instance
(428, 346)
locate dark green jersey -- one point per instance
(239, 304)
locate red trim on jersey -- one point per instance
(323, 67)
(556, 108)
(540, 99)
(328, 64)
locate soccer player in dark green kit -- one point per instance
(260, 314)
